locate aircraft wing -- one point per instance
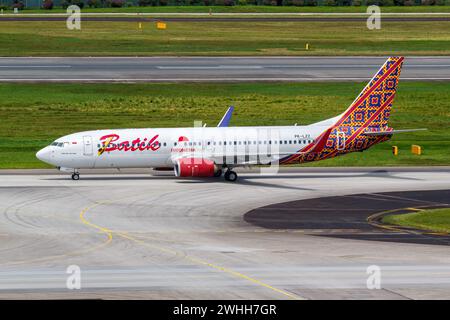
(250, 158)
(243, 158)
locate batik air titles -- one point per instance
(215, 151)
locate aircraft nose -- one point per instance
(43, 154)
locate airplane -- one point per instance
(216, 151)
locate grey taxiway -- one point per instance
(153, 69)
(149, 235)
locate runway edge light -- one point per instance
(416, 149)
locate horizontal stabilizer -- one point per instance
(389, 132)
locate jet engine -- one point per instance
(196, 167)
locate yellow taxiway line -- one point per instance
(372, 220)
(195, 260)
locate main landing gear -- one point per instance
(230, 176)
(75, 176)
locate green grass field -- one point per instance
(33, 115)
(251, 8)
(21, 38)
(437, 220)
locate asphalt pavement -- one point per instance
(156, 69)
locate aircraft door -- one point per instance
(87, 146)
(341, 139)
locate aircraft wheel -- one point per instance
(230, 176)
(75, 176)
(218, 173)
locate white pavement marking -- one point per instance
(328, 66)
(25, 66)
(207, 67)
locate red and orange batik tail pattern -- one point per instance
(369, 111)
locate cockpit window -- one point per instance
(58, 144)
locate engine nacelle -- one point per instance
(195, 167)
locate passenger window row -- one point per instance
(254, 142)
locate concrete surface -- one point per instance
(141, 236)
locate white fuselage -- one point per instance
(150, 148)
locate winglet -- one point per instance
(226, 117)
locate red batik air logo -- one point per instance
(111, 142)
(182, 145)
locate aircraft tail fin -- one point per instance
(373, 105)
